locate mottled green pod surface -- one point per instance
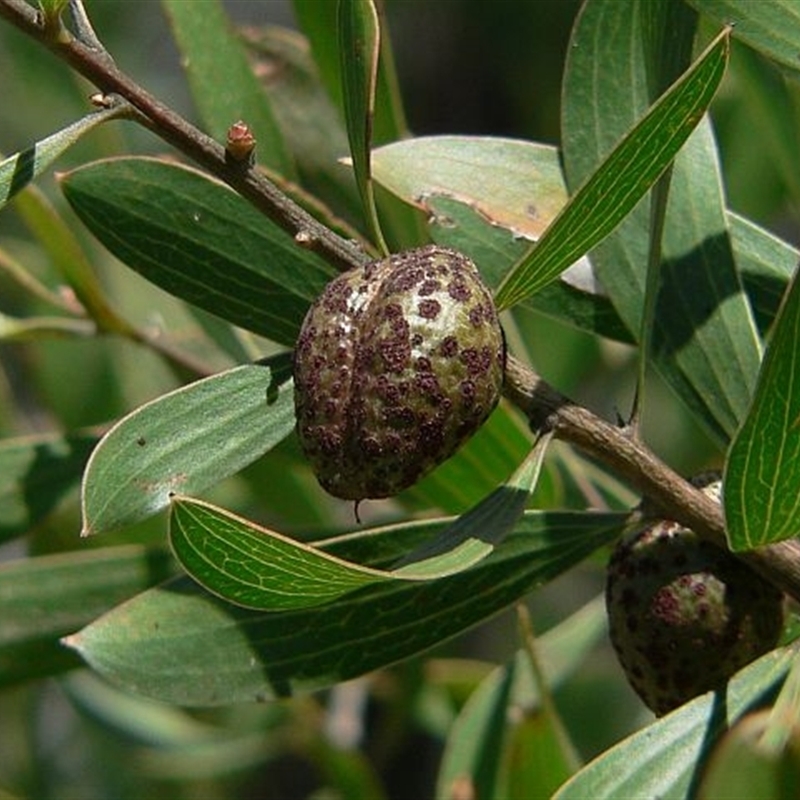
(684, 615)
(397, 364)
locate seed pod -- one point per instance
(397, 364)
(684, 615)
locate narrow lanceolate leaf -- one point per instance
(762, 472)
(199, 241)
(224, 87)
(186, 441)
(704, 338)
(35, 474)
(781, 723)
(262, 569)
(183, 645)
(318, 22)
(562, 650)
(661, 760)
(623, 178)
(312, 125)
(47, 597)
(701, 317)
(17, 171)
(741, 767)
(773, 28)
(766, 264)
(359, 50)
(473, 756)
(69, 258)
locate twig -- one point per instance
(96, 65)
(673, 496)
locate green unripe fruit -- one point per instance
(397, 364)
(684, 615)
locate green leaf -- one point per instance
(766, 265)
(514, 184)
(318, 21)
(561, 650)
(773, 28)
(401, 227)
(68, 256)
(17, 171)
(668, 32)
(255, 567)
(781, 722)
(312, 125)
(762, 470)
(165, 743)
(472, 759)
(763, 107)
(485, 197)
(154, 726)
(624, 177)
(662, 759)
(182, 645)
(199, 241)
(262, 569)
(359, 48)
(702, 320)
(704, 333)
(35, 474)
(224, 88)
(186, 441)
(537, 763)
(46, 597)
(740, 767)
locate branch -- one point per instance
(673, 496)
(93, 62)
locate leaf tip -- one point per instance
(72, 641)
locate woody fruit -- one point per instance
(397, 364)
(685, 615)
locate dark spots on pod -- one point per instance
(449, 347)
(395, 354)
(335, 297)
(459, 291)
(400, 417)
(429, 309)
(476, 361)
(427, 384)
(370, 444)
(428, 287)
(392, 311)
(389, 381)
(404, 280)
